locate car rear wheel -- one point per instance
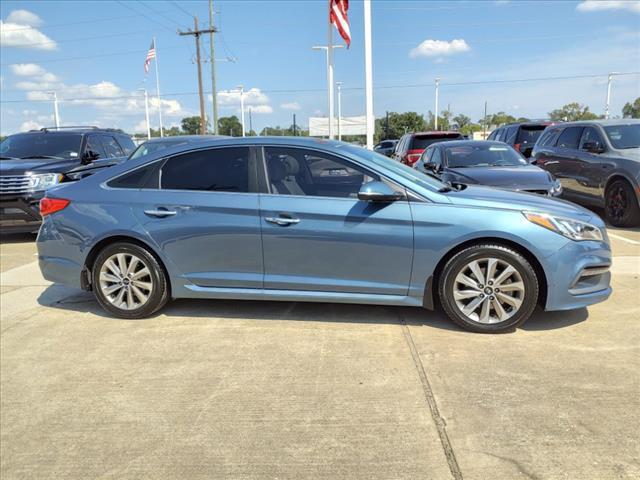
(488, 289)
(128, 281)
(621, 205)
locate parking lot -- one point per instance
(211, 389)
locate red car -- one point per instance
(411, 145)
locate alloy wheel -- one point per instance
(126, 281)
(617, 204)
(488, 290)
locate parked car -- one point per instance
(411, 145)
(495, 164)
(34, 161)
(155, 144)
(598, 163)
(297, 219)
(386, 147)
(521, 136)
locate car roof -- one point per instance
(184, 138)
(435, 133)
(531, 123)
(79, 129)
(605, 123)
(457, 143)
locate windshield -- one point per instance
(48, 145)
(624, 136)
(397, 168)
(150, 147)
(480, 155)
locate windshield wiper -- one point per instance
(40, 156)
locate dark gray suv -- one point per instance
(598, 163)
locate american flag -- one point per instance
(151, 54)
(338, 16)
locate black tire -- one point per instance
(159, 293)
(621, 205)
(460, 261)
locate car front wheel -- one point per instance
(128, 281)
(488, 289)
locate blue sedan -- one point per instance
(310, 220)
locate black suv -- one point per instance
(521, 136)
(34, 161)
(598, 163)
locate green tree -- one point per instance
(399, 124)
(499, 118)
(191, 125)
(522, 119)
(461, 120)
(572, 112)
(230, 126)
(631, 110)
(469, 128)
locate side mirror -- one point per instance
(377, 191)
(431, 166)
(89, 156)
(593, 147)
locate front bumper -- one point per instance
(578, 275)
(20, 212)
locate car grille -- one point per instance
(14, 184)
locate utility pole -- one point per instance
(294, 125)
(437, 93)
(56, 116)
(250, 122)
(241, 88)
(196, 33)
(607, 107)
(339, 85)
(485, 121)
(214, 93)
(386, 126)
(368, 75)
(146, 112)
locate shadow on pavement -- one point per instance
(56, 296)
(17, 237)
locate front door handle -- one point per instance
(160, 213)
(282, 221)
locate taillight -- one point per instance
(52, 205)
(414, 155)
(517, 146)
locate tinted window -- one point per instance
(529, 134)
(436, 159)
(215, 170)
(126, 143)
(297, 171)
(590, 134)
(423, 142)
(570, 137)
(426, 155)
(492, 135)
(63, 145)
(510, 134)
(550, 137)
(134, 179)
(624, 136)
(95, 145)
(111, 147)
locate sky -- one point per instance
(514, 55)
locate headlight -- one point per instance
(44, 181)
(568, 227)
(556, 189)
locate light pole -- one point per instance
(146, 111)
(241, 88)
(339, 85)
(329, 50)
(437, 93)
(56, 116)
(607, 107)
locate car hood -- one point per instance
(21, 166)
(487, 197)
(525, 177)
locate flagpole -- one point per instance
(368, 69)
(155, 47)
(330, 72)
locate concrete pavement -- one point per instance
(221, 389)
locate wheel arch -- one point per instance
(103, 243)
(619, 175)
(431, 288)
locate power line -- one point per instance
(149, 7)
(80, 22)
(143, 15)
(310, 90)
(110, 35)
(177, 5)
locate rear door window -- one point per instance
(590, 134)
(510, 134)
(529, 134)
(570, 137)
(550, 137)
(94, 144)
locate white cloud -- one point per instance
(30, 125)
(27, 69)
(26, 36)
(24, 17)
(439, 48)
(253, 96)
(599, 5)
(258, 109)
(291, 106)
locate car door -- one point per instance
(567, 169)
(594, 167)
(318, 236)
(202, 213)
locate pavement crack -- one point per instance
(439, 421)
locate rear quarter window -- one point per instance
(529, 135)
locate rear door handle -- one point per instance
(160, 213)
(282, 221)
